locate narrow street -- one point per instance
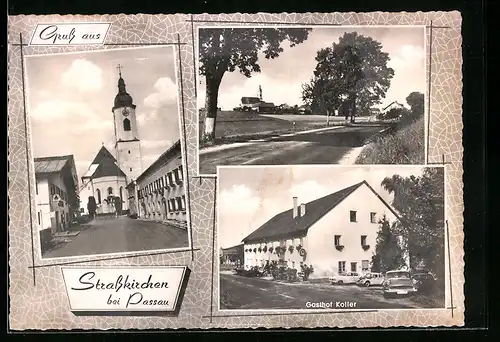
(237, 292)
(120, 235)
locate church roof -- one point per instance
(104, 165)
(123, 99)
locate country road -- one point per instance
(317, 147)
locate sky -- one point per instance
(70, 97)
(250, 196)
(281, 78)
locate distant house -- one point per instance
(392, 105)
(232, 255)
(335, 233)
(56, 197)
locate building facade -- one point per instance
(158, 193)
(104, 181)
(233, 255)
(335, 233)
(56, 197)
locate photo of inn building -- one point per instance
(56, 196)
(335, 233)
(158, 193)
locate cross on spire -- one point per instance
(119, 67)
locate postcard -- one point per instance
(235, 171)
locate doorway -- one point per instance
(354, 266)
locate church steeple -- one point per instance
(122, 99)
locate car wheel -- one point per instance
(340, 282)
(367, 284)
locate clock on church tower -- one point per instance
(128, 145)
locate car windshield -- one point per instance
(398, 275)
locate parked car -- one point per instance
(344, 278)
(424, 282)
(370, 279)
(398, 283)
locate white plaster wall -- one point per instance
(320, 247)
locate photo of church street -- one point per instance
(109, 175)
(319, 95)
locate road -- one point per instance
(237, 292)
(317, 147)
(120, 235)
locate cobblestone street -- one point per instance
(120, 235)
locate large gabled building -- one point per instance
(335, 233)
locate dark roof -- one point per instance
(284, 225)
(107, 165)
(103, 154)
(51, 164)
(171, 152)
(123, 99)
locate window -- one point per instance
(130, 169)
(373, 217)
(126, 125)
(128, 151)
(39, 218)
(98, 196)
(354, 266)
(179, 203)
(180, 172)
(121, 193)
(353, 216)
(36, 187)
(363, 240)
(183, 202)
(365, 265)
(110, 191)
(341, 266)
(337, 240)
(82, 210)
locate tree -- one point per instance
(389, 254)
(416, 102)
(227, 49)
(420, 203)
(354, 71)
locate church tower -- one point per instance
(128, 145)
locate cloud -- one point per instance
(144, 117)
(407, 56)
(155, 143)
(83, 76)
(60, 109)
(308, 191)
(165, 94)
(240, 199)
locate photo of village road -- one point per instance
(321, 95)
(331, 237)
(109, 175)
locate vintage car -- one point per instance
(344, 278)
(370, 279)
(398, 283)
(424, 282)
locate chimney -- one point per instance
(295, 207)
(302, 210)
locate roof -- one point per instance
(233, 249)
(393, 103)
(103, 165)
(284, 225)
(172, 151)
(53, 164)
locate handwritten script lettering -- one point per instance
(69, 34)
(124, 289)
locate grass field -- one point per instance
(405, 146)
(234, 126)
